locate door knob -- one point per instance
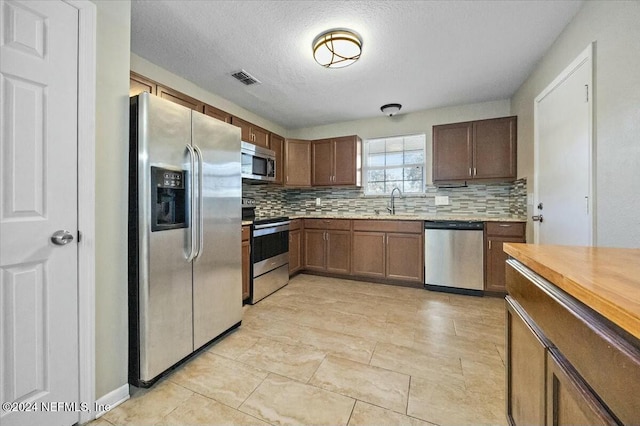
(539, 206)
(537, 218)
(61, 237)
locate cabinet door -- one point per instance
(569, 400)
(322, 162)
(345, 161)
(260, 136)
(245, 128)
(216, 113)
(295, 260)
(339, 252)
(494, 260)
(314, 249)
(297, 159)
(180, 98)
(139, 84)
(276, 144)
(246, 266)
(452, 152)
(405, 260)
(526, 358)
(369, 254)
(494, 148)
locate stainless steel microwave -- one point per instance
(258, 163)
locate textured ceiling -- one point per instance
(422, 54)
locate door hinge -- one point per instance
(79, 236)
(586, 93)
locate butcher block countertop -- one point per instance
(605, 279)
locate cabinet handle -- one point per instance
(489, 244)
(504, 226)
(470, 172)
(475, 171)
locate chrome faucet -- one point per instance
(392, 209)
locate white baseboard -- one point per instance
(112, 400)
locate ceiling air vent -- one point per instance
(245, 78)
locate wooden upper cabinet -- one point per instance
(337, 161)
(494, 148)
(180, 98)
(217, 113)
(251, 133)
(139, 84)
(475, 150)
(276, 144)
(452, 152)
(322, 162)
(297, 163)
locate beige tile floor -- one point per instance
(339, 352)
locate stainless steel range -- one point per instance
(269, 252)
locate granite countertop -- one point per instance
(605, 279)
(474, 218)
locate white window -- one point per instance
(397, 161)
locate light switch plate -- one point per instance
(318, 203)
(442, 200)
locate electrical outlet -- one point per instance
(318, 202)
(442, 200)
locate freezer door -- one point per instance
(217, 277)
(165, 292)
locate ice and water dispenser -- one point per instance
(168, 199)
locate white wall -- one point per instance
(112, 144)
(615, 27)
(161, 75)
(407, 124)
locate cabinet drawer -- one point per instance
(405, 226)
(246, 232)
(338, 224)
(505, 229)
(295, 224)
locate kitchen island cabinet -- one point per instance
(327, 245)
(573, 335)
(388, 249)
(483, 150)
(495, 235)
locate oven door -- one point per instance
(270, 248)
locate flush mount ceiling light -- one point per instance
(337, 48)
(390, 109)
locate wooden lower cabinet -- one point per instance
(327, 245)
(404, 257)
(495, 235)
(565, 364)
(569, 400)
(246, 262)
(388, 249)
(369, 254)
(526, 358)
(295, 247)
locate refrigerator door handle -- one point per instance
(192, 221)
(200, 201)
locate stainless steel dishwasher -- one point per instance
(453, 256)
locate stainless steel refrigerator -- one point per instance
(185, 277)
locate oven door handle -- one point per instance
(270, 230)
(271, 225)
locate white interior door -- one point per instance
(563, 162)
(38, 153)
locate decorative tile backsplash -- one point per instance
(498, 199)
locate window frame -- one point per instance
(366, 167)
